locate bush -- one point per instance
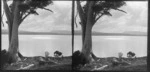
(58, 54)
(4, 58)
(78, 59)
(130, 54)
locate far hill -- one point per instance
(78, 32)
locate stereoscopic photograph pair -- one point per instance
(75, 35)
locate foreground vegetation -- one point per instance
(40, 63)
(137, 64)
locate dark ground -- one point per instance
(40, 63)
(137, 64)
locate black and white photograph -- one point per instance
(75, 35)
(114, 36)
(36, 35)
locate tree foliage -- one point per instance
(28, 7)
(103, 7)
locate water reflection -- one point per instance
(103, 46)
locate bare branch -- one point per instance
(2, 19)
(86, 8)
(21, 14)
(47, 9)
(94, 15)
(98, 18)
(81, 12)
(24, 18)
(75, 19)
(121, 10)
(12, 9)
(7, 12)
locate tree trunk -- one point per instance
(87, 22)
(87, 47)
(13, 47)
(9, 19)
(9, 32)
(83, 38)
(83, 27)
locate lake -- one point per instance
(103, 46)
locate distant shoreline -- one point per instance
(94, 33)
(80, 34)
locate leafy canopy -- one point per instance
(103, 7)
(26, 7)
(30, 6)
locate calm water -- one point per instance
(103, 46)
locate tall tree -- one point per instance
(89, 14)
(16, 13)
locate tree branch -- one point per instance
(75, 19)
(21, 14)
(121, 10)
(12, 9)
(94, 15)
(98, 18)
(2, 19)
(80, 10)
(86, 8)
(24, 18)
(47, 9)
(7, 12)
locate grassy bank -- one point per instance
(138, 64)
(39, 63)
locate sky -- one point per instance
(134, 20)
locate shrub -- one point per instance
(130, 54)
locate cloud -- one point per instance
(137, 4)
(47, 21)
(63, 4)
(134, 20)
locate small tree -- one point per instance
(89, 14)
(15, 13)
